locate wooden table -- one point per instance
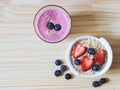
(27, 62)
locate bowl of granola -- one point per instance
(89, 56)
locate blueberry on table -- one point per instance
(102, 80)
(95, 84)
(50, 25)
(68, 76)
(91, 51)
(57, 27)
(58, 62)
(77, 62)
(57, 73)
(96, 67)
(63, 68)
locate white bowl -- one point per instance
(103, 42)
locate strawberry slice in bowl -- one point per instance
(100, 57)
(79, 50)
(87, 63)
(90, 52)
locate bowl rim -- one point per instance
(101, 40)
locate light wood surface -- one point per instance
(27, 62)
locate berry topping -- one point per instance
(77, 62)
(68, 76)
(87, 63)
(102, 80)
(57, 73)
(95, 84)
(57, 27)
(63, 68)
(96, 67)
(91, 51)
(79, 50)
(50, 25)
(100, 57)
(58, 62)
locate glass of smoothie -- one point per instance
(52, 23)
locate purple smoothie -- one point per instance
(56, 15)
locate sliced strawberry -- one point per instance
(87, 63)
(78, 50)
(100, 57)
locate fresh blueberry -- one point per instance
(57, 27)
(96, 67)
(102, 80)
(58, 62)
(77, 62)
(95, 84)
(57, 73)
(91, 51)
(63, 68)
(50, 25)
(68, 76)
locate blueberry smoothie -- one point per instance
(52, 23)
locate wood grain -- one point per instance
(27, 63)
